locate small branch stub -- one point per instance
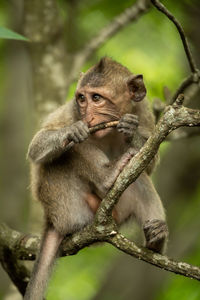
(180, 99)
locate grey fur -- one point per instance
(62, 180)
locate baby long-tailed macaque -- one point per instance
(70, 184)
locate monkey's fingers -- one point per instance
(79, 132)
(127, 130)
(153, 224)
(82, 133)
(72, 137)
(130, 118)
(128, 124)
(156, 231)
(82, 126)
(157, 242)
(85, 128)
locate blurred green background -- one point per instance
(150, 46)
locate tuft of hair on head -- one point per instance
(105, 71)
(101, 65)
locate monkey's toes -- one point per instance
(156, 233)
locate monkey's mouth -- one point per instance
(102, 123)
(98, 124)
(102, 132)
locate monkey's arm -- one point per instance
(48, 145)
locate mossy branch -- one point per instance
(103, 227)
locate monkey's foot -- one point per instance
(156, 233)
(121, 163)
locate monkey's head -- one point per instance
(107, 91)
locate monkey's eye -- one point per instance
(96, 97)
(81, 98)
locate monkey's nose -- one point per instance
(90, 121)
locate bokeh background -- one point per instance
(150, 46)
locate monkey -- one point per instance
(70, 184)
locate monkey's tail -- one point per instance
(43, 265)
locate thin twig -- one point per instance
(195, 76)
(188, 53)
(181, 134)
(94, 129)
(183, 86)
(158, 108)
(130, 14)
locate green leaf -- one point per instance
(9, 34)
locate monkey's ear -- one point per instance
(136, 87)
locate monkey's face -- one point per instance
(107, 91)
(96, 106)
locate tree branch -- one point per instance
(96, 233)
(182, 134)
(13, 245)
(188, 53)
(174, 116)
(23, 246)
(43, 26)
(163, 262)
(103, 227)
(17, 272)
(187, 82)
(195, 76)
(130, 14)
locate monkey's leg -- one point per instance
(94, 201)
(43, 265)
(141, 200)
(150, 213)
(117, 168)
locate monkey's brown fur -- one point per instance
(70, 185)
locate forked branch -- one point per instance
(103, 228)
(129, 15)
(188, 53)
(195, 76)
(174, 116)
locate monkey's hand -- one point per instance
(77, 132)
(128, 124)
